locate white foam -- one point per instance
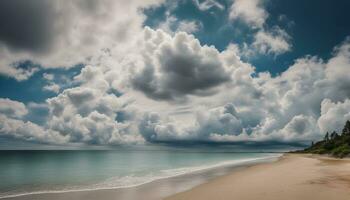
(133, 181)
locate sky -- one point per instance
(127, 72)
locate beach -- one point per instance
(292, 177)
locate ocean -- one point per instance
(51, 171)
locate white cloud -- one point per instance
(155, 128)
(208, 4)
(52, 87)
(218, 121)
(302, 128)
(88, 114)
(29, 131)
(12, 125)
(333, 115)
(249, 11)
(271, 42)
(48, 76)
(168, 25)
(172, 25)
(189, 26)
(12, 70)
(12, 108)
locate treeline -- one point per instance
(334, 144)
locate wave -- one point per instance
(134, 181)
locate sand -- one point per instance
(293, 177)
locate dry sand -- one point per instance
(293, 177)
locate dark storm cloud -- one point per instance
(178, 66)
(35, 25)
(186, 75)
(181, 78)
(27, 25)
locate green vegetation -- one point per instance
(333, 144)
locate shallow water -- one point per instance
(24, 172)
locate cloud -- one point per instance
(14, 71)
(333, 115)
(208, 4)
(12, 124)
(172, 25)
(12, 108)
(249, 11)
(189, 26)
(85, 114)
(56, 34)
(88, 114)
(48, 76)
(296, 106)
(52, 87)
(300, 127)
(272, 42)
(144, 85)
(37, 113)
(155, 129)
(173, 67)
(29, 131)
(336, 71)
(30, 27)
(218, 121)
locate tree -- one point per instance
(326, 137)
(333, 144)
(346, 129)
(334, 135)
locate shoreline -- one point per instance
(293, 176)
(200, 176)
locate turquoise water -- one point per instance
(24, 172)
